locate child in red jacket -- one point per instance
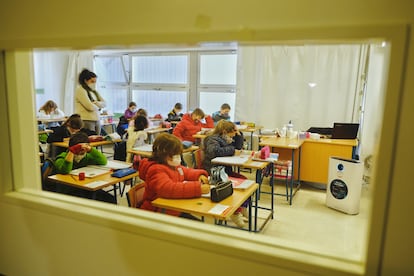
(190, 124)
(165, 177)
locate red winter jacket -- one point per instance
(167, 182)
(185, 129)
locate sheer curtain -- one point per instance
(78, 60)
(312, 85)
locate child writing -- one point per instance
(166, 178)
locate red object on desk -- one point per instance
(81, 176)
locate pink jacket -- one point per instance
(167, 182)
(185, 129)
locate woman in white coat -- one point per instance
(88, 102)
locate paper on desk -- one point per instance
(231, 160)
(95, 184)
(146, 147)
(243, 184)
(114, 164)
(218, 209)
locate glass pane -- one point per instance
(218, 69)
(109, 69)
(159, 102)
(211, 102)
(116, 99)
(160, 69)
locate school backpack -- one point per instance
(120, 151)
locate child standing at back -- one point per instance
(137, 135)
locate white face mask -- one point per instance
(92, 86)
(176, 161)
(78, 157)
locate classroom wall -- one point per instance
(40, 236)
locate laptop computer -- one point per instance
(345, 131)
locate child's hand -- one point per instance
(76, 149)
(203, 179)
(205, 188)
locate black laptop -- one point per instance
(345, 131)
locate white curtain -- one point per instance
(78, 60)
(311, 85)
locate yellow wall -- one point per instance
(42, 234)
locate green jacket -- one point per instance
(94, 157)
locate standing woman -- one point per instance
(88, 102)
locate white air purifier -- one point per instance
(343, 191)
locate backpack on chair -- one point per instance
(47, 169)
(120, 151)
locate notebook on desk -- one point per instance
(345, 131)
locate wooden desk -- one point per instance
(73, 180)
(201, 206)
(65, 144)
(260, 167)
(152, 131)
(284, 146)
(51, 120)
(314, 163)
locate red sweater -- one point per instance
(167, 182)
(185, 129)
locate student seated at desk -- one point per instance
(130, 111)
(175, 114)
(222, 114)
(50, 110)
(218, 144)
(71, 126)
(136, 135)
(165, 178)
(80, 154)
(190, 124)
(122, 126)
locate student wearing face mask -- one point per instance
(88, 102)
(165, 178)
(221, 143)
(80, 154)
(130, 111)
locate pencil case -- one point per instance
(123, 172)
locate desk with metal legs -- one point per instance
(260, 167)
(293, 145)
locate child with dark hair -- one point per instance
(122, 126)
(72, 125)
(130, 111)
(165, 178)
(80, 154)
(175, 114)
(136, 135)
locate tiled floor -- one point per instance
(308, 222)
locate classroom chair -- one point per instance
(135, 195)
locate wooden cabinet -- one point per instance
(315, 157)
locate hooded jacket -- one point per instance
(167, 182)
(185, 129)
